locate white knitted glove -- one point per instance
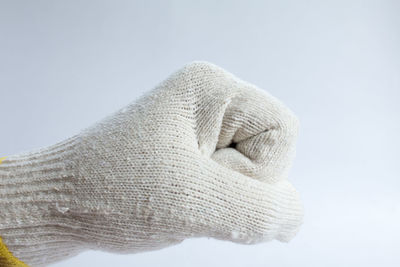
(203, 154)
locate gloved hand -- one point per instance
(203, 154)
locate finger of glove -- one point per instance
(257, 135)
(209, 90)
(245, 210)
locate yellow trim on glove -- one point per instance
(1, 159)
(7, 259)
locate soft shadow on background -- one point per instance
(66, 64)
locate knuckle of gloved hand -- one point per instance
(287, 123)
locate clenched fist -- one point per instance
(203, 154)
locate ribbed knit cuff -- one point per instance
(35, 189)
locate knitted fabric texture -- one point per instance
(204, 154)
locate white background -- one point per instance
(66, 64)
